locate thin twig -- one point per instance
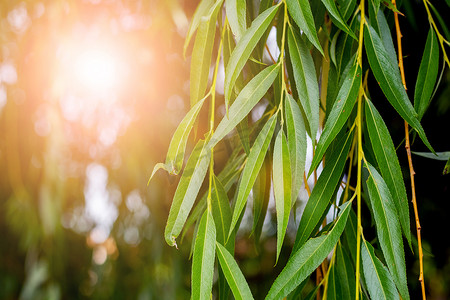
(408, 152)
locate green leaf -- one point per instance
(261, 195)
(379, 281)
(387, 160)
(426, 79)
(337, 18)
(201, 11)
(244, 49)
(236, 12)
(345, 273)
(221, 211)
(322, 193)
(300, 11)
(339, 114)
(201, 54)
(305, 80)
(281, 186)
(346, 7)
(187, 191)
(333, 284)
(177, 147)
(388, 229)
(304, 261)
(388, 76)
(446, 168)
(252, 167)
(437, 156)
(204, 255)
(379, 23)
(233, 274)
(244, 103)
(296, 135)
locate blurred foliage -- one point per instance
(77, 219)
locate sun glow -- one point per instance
(96, 70)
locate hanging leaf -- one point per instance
(281, 186)
(187, 191)
(305, 260)
(379, 23)
(204, 255)
(322, 193)
(379, 281)
(339, 114)
(387, 160)
(296, 135)
(346, 7)
(201, 54)
(236, 14)
(252, 167)
(261, 195)
(388, 76)
(345, 273)
(437, 156)
(388, 229)
(221, 211)
(244, 49)
(300, 11)
(177, 147)
(306, 84)
(336, 17)
(426, 79)
(202, 10)
(244, 103)
(233, 274)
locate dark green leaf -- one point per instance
(345, 273)
(347, 7)
(300, 11)
(426, 79)
(437, 156)
(305, 81)
(204, 255)
(388, 229)
(387, 160)
(304, 261)
(221, 211)
(233, 274)
(379, 281)
(187, 191)
(281, 186)
(339, 114)
(322, 193)
(337, 18)
(388, 76)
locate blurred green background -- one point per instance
(77, 219)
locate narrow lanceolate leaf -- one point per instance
(346, 7)
(387, 160)
(426, 79)
(379, 23)
(300, 11)
(346, 274)
(221, 211)
(322, 193)
(438, 156)
(378, 280)
(261, 196)
(177, 147)
(305, 79)
(296, 135)
(201, 11)
(187, 191)
(201, 54)
(388, 229)
(252, 167)
(244, 103)
(204, 255)
(244, 49)
(236, 14)
(233, 274)
(339, 114)
(333, 285)
(388, 76)
(336, 16)
(281, 186)
(303, 262)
